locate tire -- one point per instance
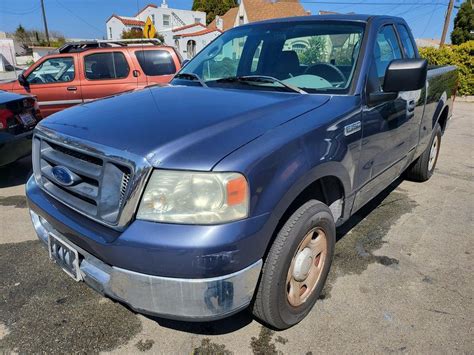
(276, 290)
(423, 167)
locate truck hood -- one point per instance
(181, 127)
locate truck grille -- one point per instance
(94, 184)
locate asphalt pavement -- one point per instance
(402, 280)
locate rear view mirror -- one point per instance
(22, 81)
(405, 75)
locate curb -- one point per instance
(469, 98)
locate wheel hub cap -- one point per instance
(303, 262)
(306, 267)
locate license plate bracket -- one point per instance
(65, 255)
(27, 119)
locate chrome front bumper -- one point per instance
(186, 299)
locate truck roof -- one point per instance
(331, 17)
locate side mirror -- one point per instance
(405, 75)
(22, 80)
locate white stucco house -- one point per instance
(163, 17)
(191, 39)
(184, 29)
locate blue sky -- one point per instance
(86, 18)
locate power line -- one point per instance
(78, 17)
(371, 3)
(20, 13)
(429, 21)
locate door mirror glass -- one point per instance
(405, 75)
(22, 81)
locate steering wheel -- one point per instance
(326, 71)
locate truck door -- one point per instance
(105, 73)
(54, 80)
(384, 146)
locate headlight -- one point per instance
(194, 197)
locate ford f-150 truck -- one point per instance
(224, 189)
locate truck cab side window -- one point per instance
(386, 49)
(406, 41)
(54, 70)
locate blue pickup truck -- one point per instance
(223, 190)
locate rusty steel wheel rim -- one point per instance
(306, 267)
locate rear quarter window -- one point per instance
(156, 62)
(104, 66)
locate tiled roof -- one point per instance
(131, 22)
(228, 18)
(187, 26)
(259, 10)
(199, 33)
(127, 20)
(146, 7)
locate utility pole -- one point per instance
(446, 22)
(45, 23)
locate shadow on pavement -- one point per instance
(218, 327)
(366, 210)
(16, 173)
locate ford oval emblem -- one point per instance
(63, 175)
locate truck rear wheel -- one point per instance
(422, 169)
(296, 267)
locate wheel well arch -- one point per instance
(328, 189)
(443, 118)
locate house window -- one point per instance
(153, 19)
(166, 20)
(241, 20)
(191, 48)
(197, 20)
(110, 32)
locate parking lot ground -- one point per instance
(402, 280)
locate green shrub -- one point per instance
(461, 56)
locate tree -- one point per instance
(22, 37)
(463, 24)
(137, 33)
(316, 51)
(214, 8)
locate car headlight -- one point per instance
(194, 197)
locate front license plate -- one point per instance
(27, 119)
(65, 256)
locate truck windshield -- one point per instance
(317, 56)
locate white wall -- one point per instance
(117, 28)
(201, 42)
(7, 53)
(187, 17)
(38, 52)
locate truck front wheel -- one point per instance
(422, 169)
(296, 267)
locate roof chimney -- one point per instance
(164, 4)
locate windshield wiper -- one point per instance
(190, 76)
(260, 79)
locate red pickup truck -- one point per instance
(85, 71)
